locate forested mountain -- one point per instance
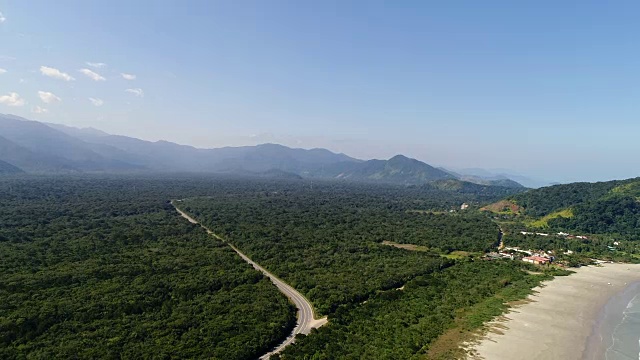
(497, 182)
(51, 149)
(6, 168)
(465, 187)
(398, 170)
(483, 177)
(611, 207)
(43, 148)
(30, 161)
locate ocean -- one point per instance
(616, 335)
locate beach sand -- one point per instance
(558, 319)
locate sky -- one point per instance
(549, 89)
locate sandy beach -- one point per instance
(559, 318)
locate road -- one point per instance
(306, 320)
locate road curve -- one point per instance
(306, 320)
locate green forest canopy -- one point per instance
(103, 267)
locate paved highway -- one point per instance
(305, 322)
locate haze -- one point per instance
(546, 89)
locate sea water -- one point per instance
(616, 333)
(625, 337)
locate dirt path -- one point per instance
(306, 320)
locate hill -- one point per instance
(465, 187)
(482, 175)
(6, 168)
(611, 207)
(397, 170)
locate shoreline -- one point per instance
(601, 338)
(563, 319)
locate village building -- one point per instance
(538, 260)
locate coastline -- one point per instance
(563, 319)
(600, 344)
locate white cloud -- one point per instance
(96, 102)
(136, 92)
(2, 71)
(92, 75)
(48, 98)
(128, 76)
(2, 18)
(55, 73)
(39, 110)
(13, 99)
(97, 65)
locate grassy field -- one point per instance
(409, 247)
(544, 221)
(412, 247)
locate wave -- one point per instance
(626, 334)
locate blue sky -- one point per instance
(545, 88)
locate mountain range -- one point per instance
(36, 147)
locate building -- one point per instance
(464, 206)
(505, 255)
(538, 260)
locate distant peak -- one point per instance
(270, 145)
(400, 157)
(403, 159)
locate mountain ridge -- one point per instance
(38, 147)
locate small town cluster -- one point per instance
(537, 257)
(530, 256)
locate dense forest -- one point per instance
(105, 268)
(611, 207)
(328, 244)
(614, 214)
(406, 323)
(546, 200)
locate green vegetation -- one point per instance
(406, 324)
(543, 222)
(614, 214)
(611, 207)
(506, 207)
(602, 220)
(105, 268)
(320, 241)
(331, 255)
